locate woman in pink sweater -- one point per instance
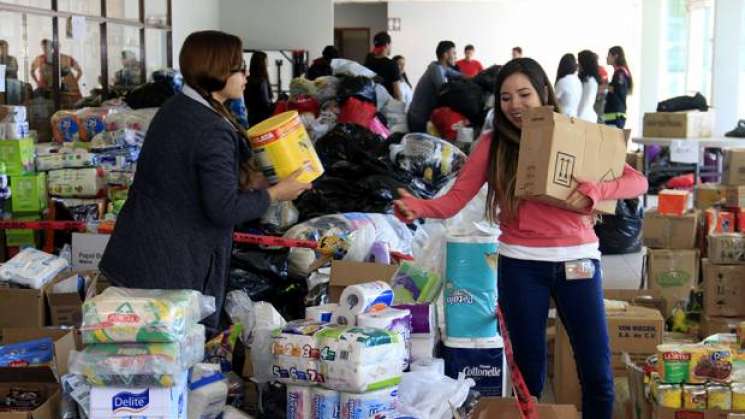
(545, 251)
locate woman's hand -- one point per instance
(577, 200)
(401, 210)
(289, 188)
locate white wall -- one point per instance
(280, 24)
(544, 29)
(188, 17)
(359, 15)
(729, 63)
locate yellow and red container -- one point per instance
(672, 202)
(282, 146)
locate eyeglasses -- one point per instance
(241, 69)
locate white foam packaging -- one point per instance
(148, 402)
(208, 391)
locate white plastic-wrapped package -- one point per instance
(283, 215)
(344, 67)
(382, 95)
(139, 364)
(296, 354)
(32, 268)
(126, 315)
(432, 395)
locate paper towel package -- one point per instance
(32, 268)
(299, 402)
(368, 405)
(415, 285)
(471, 287)
(298, 371)
(485, 365)
(423, 319)
(394, 320)
(325, 403)
(423, 347)
(357, 360)
(321, 313)
(365, 298)
(296, 354)
(148, 402)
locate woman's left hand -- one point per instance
(577, 200)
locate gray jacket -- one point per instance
(426, 93)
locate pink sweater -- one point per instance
(537, 224)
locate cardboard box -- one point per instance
(23, 307)
(636, 160)
(651, 299)
(713, 325)
(506, 408)
(735, 196)
(64, 343)
(726, 248)
(87, 250)
(668, 413)
(555, 150)
(672, 202)
(689, 124)
(670, 231)
(18, 156)
(636, 331)
(29, 193)
(65, 309)
(707, 195)
(344, 274)
(724, 290)
(674, 273)
(733, 171)
(739, 219)
(719, 221)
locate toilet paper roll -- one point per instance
(394, 320)
(344, 317)
(435, 365)
(322, 313)
(367, 297)
(423, 319)
(423, 347)
(367, 405)
(299, 402)
(325, 403)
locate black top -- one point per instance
(259, 101)
(615, 101)
(386, 69)
(320, 67)
(175, 230)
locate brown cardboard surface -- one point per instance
(643, 298)
(344, 274)
(726, 248)
(734, 166)
(636, 160)
(50, 409)
(65, 309)
(505, 408)
(667, 413)
(674, 273)
(690, 124)
(724, 290)
(555, 150)
(64, 342)
(670, 231)
(713, 325)
(23, 307)
(707, 195)
(636, 331)
(735, 196)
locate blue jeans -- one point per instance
(618, 123)
(525, 288)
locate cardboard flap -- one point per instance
(64, 342)
(506, 408)
(351, 273)
(42, 374)
(542, 115)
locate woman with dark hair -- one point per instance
(589, 75)
(621, 85)
(322, 66)
(539, 243)
(407, 92)
(258, 94)
(568, 87)
(193, 182)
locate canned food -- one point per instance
(738, 396)
(673, 363)
(670, 395)
(694, 396)
(720, 396)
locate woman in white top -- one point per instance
(590, 77)
(568, 86)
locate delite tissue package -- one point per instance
(358, 360)
(296, 353)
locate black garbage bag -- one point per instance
(352, 151)
(150, 95)
(465, 97)
(684, 103)
(622, 233)
(360, 87)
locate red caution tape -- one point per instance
(522, 394)
(43, 225)
(273, 241)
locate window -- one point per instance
(123, 9)
(157, 50)
(85, 7)
(125, 69)
(80, 60)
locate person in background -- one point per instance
(425, 95)
(175, 230)
(517, 52)
(387, 70)
(621, 85)
(70, 73)
(590, 77)
(568, 86)
(258, 94)
(407, 93)
(602, 91)
(322, 66)
(469, 66)
(540, 243)
(131, 73)
(9, 61)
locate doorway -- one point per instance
(352, 43)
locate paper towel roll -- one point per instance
(435, 365)
(394, 320)
(471, 287)
(321, 313)
(299, 402)
(367, 297)
(423, 347)
(367, 405)
(344, 317)
(325, 403)
(423, 319)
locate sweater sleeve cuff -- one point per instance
(592, 191)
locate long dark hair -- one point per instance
(567, 65)
(258, 68)
(505, 145)
(588, 65)
(617, 51)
